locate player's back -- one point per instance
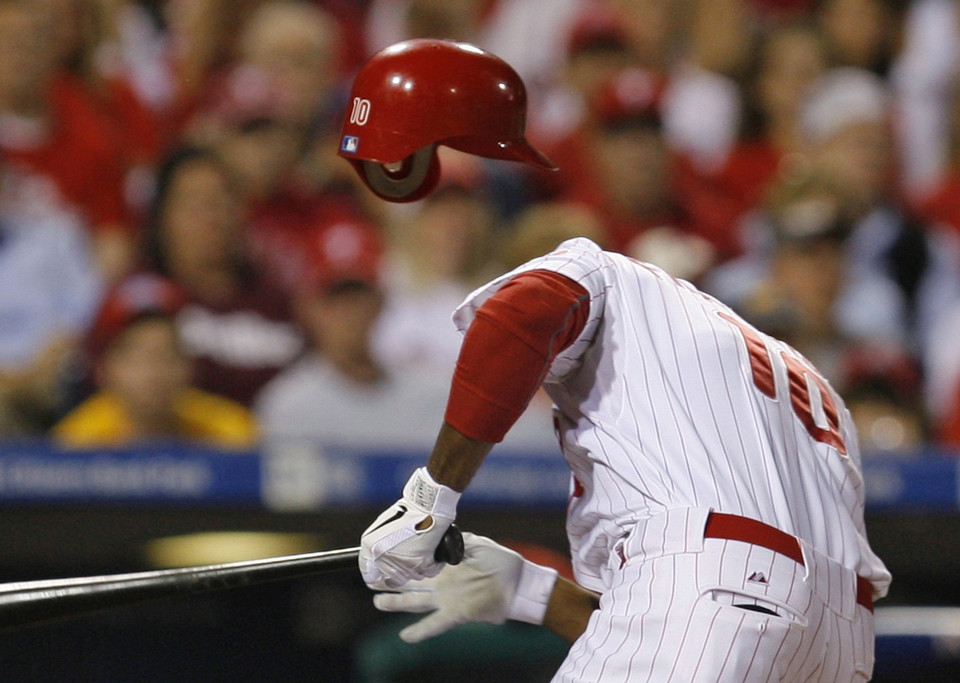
(667, 399)
(677, 401)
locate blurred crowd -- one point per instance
(183, 254)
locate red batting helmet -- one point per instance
(417, 94)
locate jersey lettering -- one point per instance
(799, 375)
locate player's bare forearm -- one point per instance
(456, 458)
(569, 609)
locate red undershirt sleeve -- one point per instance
(508, 349)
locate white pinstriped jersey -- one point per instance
(669, 400)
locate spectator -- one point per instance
(339, 392)
(295, 45)
(280, 220)
(789, 59)
(806, 295)
(942, 371)
(276, 127)
(49, 292)
(597, 47)
(236, 327)
(50, 127)
(84, 35)
(438, 253)
(847, 127)
(618, 164)
(924, 78)
(656, 31)
(289, 71)
(261, 153)
(197, 50)
(883, 390)
(938, 203)
(530, 35)
(863, 34)
(144, 379)
(390, 21)
(702, 106)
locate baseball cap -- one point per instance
(345, 251)
(842, 96)
(132, 299)
(631, 97)
(597, 27)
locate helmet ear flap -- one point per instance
(407, 180)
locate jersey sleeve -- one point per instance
(579, 260)
(515, 336)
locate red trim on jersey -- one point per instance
(508, 349)
(760, 363)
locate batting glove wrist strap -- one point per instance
(426, 494)
(533, 593)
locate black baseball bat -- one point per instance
(30, 603)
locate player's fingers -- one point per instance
(392, 583)
(390, 575)
(428, 627)
(372, 576)
(405, 602)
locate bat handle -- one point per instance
(450, 549)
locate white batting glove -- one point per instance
(491, 584)
(392, 550)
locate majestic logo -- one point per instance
(360, 112)
(757, 577)
(349, 144)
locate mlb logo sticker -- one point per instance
(349, 144)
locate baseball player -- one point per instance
(716, 508)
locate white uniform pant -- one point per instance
(669, 613)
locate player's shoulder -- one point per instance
(575, 248)
(577, 258)
(585, 251)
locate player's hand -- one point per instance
(400, 544)
(491, 584)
